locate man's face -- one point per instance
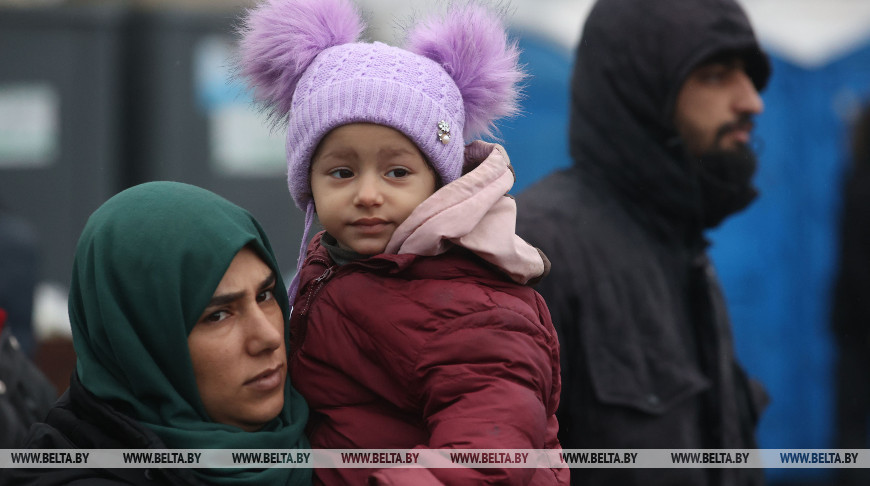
(237, 347)
(715, 107)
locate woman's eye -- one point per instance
(341, 173)
(266, 295)
(400, 172)
(216, 316)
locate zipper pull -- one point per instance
(315, 286)
(326, 274)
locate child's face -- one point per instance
(366, 179)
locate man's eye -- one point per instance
(712, 77)
(400, 172)
(342, 173)
(715, 74)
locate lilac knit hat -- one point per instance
(307, 67)
(380, 84)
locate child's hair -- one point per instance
(303, 58)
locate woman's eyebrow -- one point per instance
(339, 153)
(268, 281)
(224, 299)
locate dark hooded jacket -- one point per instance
(851, 308)
(70, 425)
(647, 351)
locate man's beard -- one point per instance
(725, 178)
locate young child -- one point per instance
(413, 325)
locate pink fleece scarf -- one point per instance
(475, 213)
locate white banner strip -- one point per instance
(434, 458)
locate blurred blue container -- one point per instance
(191, 122)
(60, 121)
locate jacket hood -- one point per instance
(624, 88)
(476, 213)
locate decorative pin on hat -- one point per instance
(444, 132)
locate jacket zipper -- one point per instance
(314, 288)
(318, 284)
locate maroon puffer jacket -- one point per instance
(406, 351)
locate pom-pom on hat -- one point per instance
(303, 58)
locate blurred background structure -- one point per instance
(96, 96)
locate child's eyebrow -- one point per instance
(339, 153)
(394, 151)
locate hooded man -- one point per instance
(850, 309)
(663, 97)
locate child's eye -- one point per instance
(398, 172)
(342, 173)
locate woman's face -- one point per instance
(237, 347)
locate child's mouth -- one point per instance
(370, 225)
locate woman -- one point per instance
(178, 316)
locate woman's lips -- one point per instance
(267, 380)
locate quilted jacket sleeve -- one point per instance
(485, 383)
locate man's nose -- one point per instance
(747, 100)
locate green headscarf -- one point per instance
(146, 266)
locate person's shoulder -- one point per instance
(63, 421)
(504, 311)
(557, 218)
(465, 276)
(563, 197)
(485, 288)
(551, 189)
(58, 477)
(93, 477)
(50, 435)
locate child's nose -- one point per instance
(368, 192)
